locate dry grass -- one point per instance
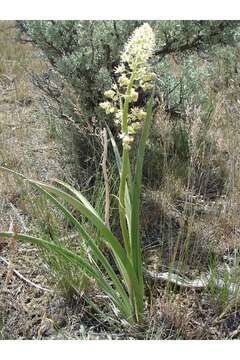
(190, 214)
(27, 146)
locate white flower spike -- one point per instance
(133, 72)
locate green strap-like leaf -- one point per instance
(96, 252)
(127, 201)
(124, 265)
(135, 237)
(88, 269)
(78, 195)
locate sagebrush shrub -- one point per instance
(85, 53)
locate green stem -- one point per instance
(125, 172)
(122, 211)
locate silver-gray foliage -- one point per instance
(84, 53)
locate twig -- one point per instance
(198, 283)
(176, 279)
(234, 333)
(29, 282)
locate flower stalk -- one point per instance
(136, 54)
(124, 287)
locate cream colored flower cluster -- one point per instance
(133, 72)
(140, 47)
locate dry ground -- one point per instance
(28, 144)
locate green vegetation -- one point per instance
(84, 54)
(128, 295)
(137, 226)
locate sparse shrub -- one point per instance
(85, 53)
(189, 56)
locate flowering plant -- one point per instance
(134, 71)
(124, 287)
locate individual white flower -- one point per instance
(114, 87)
(134, 127)
(119, 114)
(120, 69)
(110, 94)
(127, 140)
(149, 76)
(147, 86)
(118, 117)
(133, 95)
(138, 114)
(108, 107)
(123, 80)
